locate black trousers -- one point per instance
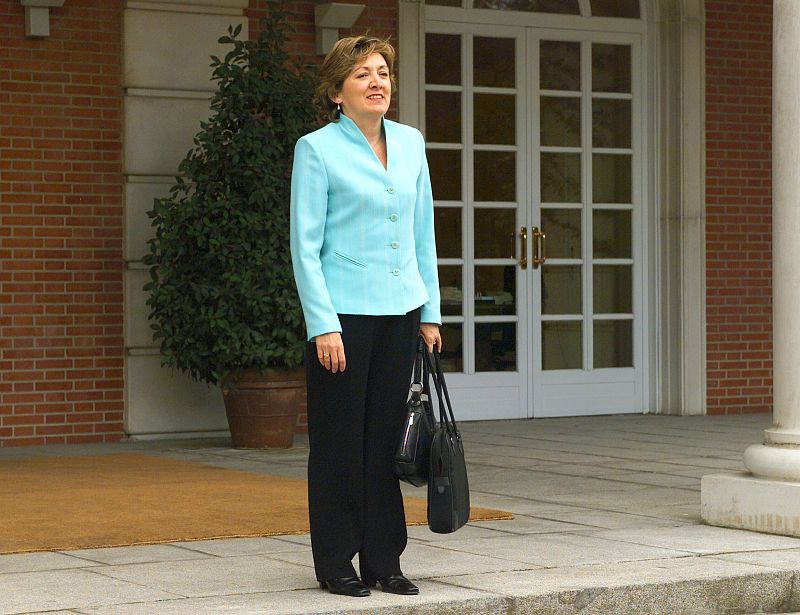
(354, 420)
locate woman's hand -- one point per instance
(430, 332)
(330, 351)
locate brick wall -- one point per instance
(739, 205)
(379, 18)
(61, 346)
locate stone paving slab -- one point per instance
(435, 599)
(657, 480)
(556, 550)
(40, 561)
(215, 575)
(524, 524)
(637, 499)
(610, 520)
(138, 554)
(483, 529)
(239, 546)
(68, 589)
(521, 504)
(701, 539)
(783, 559)
(429, 560)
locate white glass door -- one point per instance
(534, 147)
(585, 162)
(475, 123)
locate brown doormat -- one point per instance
(58, 503)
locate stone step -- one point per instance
(770, 591)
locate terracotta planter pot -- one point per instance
(262, 411)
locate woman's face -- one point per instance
(367, 91)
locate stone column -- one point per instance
(767, 499)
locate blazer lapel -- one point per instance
(349, 127)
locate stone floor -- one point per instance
(606, 521)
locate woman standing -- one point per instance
(364, 257)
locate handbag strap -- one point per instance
(446, 415)
(418, 362)
(420, 385)
(422, 364)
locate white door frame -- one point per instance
(674, 381)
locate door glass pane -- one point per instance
(445, 170)
(494, 62)
(495, 233)
(494, 119)
(612, 233)
(611, 122)
(451, 290)
(561, 289)
(615, 8)
(612, 289)
(560, 66)
(611, 178)
(611, 68)
(495, 176)
(443, 59)
(453, 342)
(563, 230)
(561, 178)
(443, 117)
(568, 7)
(562, 345)
(447, 224)
(496, 347)
(495, 290)
(560, 121)
(613, 343)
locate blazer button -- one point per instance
(390, 190)
(395, 245)
(394, 217)
(395, 271)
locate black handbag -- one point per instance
(412, 458)
(448, 486)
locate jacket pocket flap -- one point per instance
(350, 260)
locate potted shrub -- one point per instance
(222, 298)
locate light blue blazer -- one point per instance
(362, 237)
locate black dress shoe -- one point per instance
(346, 586)
(393, 584)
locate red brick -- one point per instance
(738, 188)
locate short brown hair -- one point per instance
(340, 62)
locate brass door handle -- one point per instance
(523, 235)
(539, 239)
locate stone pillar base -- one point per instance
(740, 500)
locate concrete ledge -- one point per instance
(767, 591)
(740, 500)
(672, 586)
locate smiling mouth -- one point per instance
(375, 97)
